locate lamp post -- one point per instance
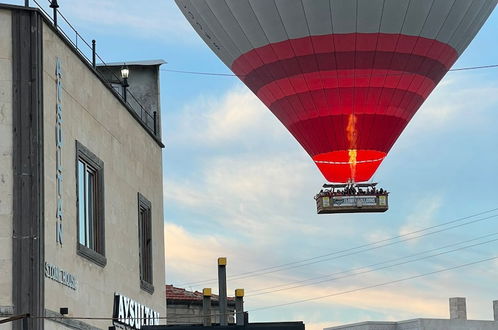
(54, 5)
(125, 72)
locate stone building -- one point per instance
(81, 207)
(185, 307)
(457, 321)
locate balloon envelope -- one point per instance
(344, 76)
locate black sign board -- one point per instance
(250, 326)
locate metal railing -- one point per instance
(88, 53)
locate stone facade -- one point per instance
(6, 170)
(93, 115)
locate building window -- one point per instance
(90, 205)
(145, 243)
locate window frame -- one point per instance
(96, 255)
(145, 206)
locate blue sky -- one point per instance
(237, 184)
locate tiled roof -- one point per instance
(179, 294)
(174, 293)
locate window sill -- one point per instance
(146, 286)
(91, 255)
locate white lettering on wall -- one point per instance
(133, 314)
(58, 153)
(61, 276)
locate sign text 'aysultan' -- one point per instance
(133, 314)
(58, 152)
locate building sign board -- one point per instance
(133, 314)
(61, 276)
(348, 201)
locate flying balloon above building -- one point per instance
(344, 76)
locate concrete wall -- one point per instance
(366, 326)
(192, 314)
(422, 324)
(435, 324)
(6, 172)
(132, 163)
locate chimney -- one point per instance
(458, 309)
(239, 306)
(222, 289)
(206, 307)
(495, 310)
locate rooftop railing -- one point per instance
(87, 50)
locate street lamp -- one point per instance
(54, 5)
(125, 72)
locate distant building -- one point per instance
(458, 321)
(185, 307)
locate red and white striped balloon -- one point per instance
(344, 76)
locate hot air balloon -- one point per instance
(343, 76)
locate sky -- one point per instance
(237, 184)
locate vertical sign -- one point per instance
(58, 152)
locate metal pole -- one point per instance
(55, 17)
(239, 306)
(222, 287)
(25, 323)
(54, 5)
(124, 94)
(94, 47)
(26, 3)
(14, 318)
(155, 122)
(206, 307)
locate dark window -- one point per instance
(145, 243)
(90, 205)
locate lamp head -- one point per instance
(125, 72)
(54, 4)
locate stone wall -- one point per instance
(95, 117)
(6, 171)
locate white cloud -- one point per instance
(238, 117)
(458, 100)
(243, 191)
(154, 19)
(423, 215)
(261, 199)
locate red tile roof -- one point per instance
(179, 294)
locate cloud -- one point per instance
(460, 99)
(188, 254)
(244, 188)
(238, 117)
(192, 257)
(155, 19)
(423, 215)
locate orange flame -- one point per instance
(352, 137)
